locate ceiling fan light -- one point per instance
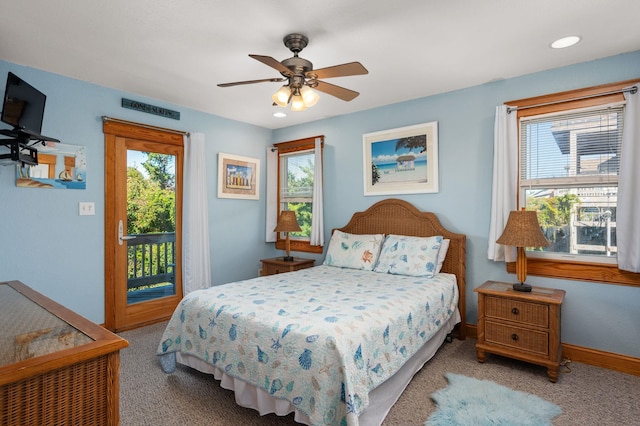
(297, 103)
(281, 97)
(309, 97)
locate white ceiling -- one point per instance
(177, 51)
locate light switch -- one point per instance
(87, 208)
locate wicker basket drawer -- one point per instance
(519, 338)
(518, 311)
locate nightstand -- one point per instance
(524, 326)
(277, 265)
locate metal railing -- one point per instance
(150, 259)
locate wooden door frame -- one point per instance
(114, 130)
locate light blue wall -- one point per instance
(48, 246)
(44, 242)
(604, 317)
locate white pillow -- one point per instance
(404, 255)
(356, 251)
(442, 253)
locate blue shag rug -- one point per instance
(468, 401)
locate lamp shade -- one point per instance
(523, 230)
(281, 97)
(309, 97)
(287, 222)
(297, 103)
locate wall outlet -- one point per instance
(87, 208)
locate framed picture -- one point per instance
(402, 160)
(238, 177)
(59, 166)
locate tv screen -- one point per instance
(23, 105)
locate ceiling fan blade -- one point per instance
(273, 63)
(344, 70)
(337, 91)
(238, 83)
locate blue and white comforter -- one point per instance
(321, 338)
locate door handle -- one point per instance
(122, 237)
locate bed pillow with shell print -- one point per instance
(355, 251)
(414, 256)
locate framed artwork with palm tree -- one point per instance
(402, 160)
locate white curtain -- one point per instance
(505, 181)
(317, 213)
(196, 259)
(627, 222)
(272, 195)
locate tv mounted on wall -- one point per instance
(23, 109)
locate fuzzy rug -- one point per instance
(468, 401)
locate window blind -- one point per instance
(572, 149)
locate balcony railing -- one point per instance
(150, 260)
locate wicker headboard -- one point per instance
(394, 216)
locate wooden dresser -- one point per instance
(56, 367)
(520, 325)
(277, 265)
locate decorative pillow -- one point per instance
(442, 253)
(414, 256)
(356, 251)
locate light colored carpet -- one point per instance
(469, 401)
(588, 395)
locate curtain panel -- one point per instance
(196, 259)
(317, 214)
(505, 181)
(272, 195)
(628, 232)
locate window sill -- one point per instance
(593, 272)
(297, 245)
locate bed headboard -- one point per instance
(394, 216)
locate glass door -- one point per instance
(143, 230)
(151, 226)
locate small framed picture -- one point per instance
(402, 160)
(238, 177)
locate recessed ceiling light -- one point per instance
(565, 42)
(279, 114)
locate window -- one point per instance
(569, 163)
(569, 156)
(296, 162)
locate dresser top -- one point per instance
(503, 289)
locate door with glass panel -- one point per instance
(143, 177)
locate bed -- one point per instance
(336, 343)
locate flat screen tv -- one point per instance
(23, 106)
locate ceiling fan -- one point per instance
(301, 78)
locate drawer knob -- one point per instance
(514, 337)
(515, 311)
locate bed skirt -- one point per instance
(381, 399)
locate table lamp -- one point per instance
(522, 231)
(287, 222)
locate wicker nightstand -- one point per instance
(524, 326)
(277, 265)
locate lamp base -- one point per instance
(522, 287)
(288, 258)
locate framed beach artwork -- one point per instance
(59, 166)
(238, 177)
(402, 160)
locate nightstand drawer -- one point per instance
(517, 311)
(522, 339)
(268, 269)
(279, 266)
